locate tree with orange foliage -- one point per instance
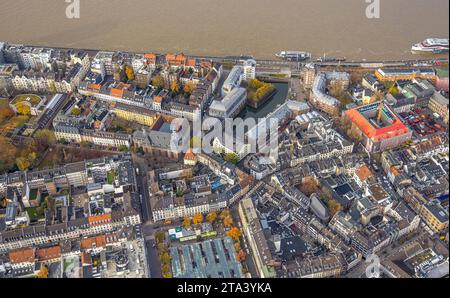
(234, 233)
(228, 221)
(224, 213)
(211, 217)
(129, 73)
(8, 156)
(5, 112)
(237, 246)
(186, 222)
(43, 273)
(189, 87)
(175, 87)
(309, 186)
(241, 255)
(197, 219)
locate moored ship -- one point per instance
(431, 45)
(293, 55)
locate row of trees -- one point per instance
(24, 156)
(176, 87)
(5, 113)
(338, 92)
(235, 234)
(124, 74)
(211, 217)
(257, 90)
(164, 255)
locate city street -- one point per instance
(249, 261)
(141, 178)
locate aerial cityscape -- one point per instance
(297, 165)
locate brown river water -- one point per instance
(261, 28)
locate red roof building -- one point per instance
(387, 134)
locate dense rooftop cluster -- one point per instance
(361, 168)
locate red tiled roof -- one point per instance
(45, 254)
(98, 241)
(98, 220)
(363, 173)
(21, 255)
(396, 128)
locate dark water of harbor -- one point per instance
(229, 27)
(278, 99)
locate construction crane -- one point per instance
(380, 111)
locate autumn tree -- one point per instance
(211, 217)
(255, 84)
(44, 138)
(76, 111)
(338, 91)
(129, 72)
(241, 255)
(166, 271)
(234, 233)
(186, 222)
(43, 273)
(5, 112)
(7, 157)
(23, 108)
(237, 246)
(334, 207)
(197, 219)
(175, 87)
(189, 87)
(160, 236)
(158, 82)
(309, 186)
(224, 213)
(228, 221)
(165, 258)
(26, 161)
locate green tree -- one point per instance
(231, 157)
(76, 112)
(393, 90)
(123, 148)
